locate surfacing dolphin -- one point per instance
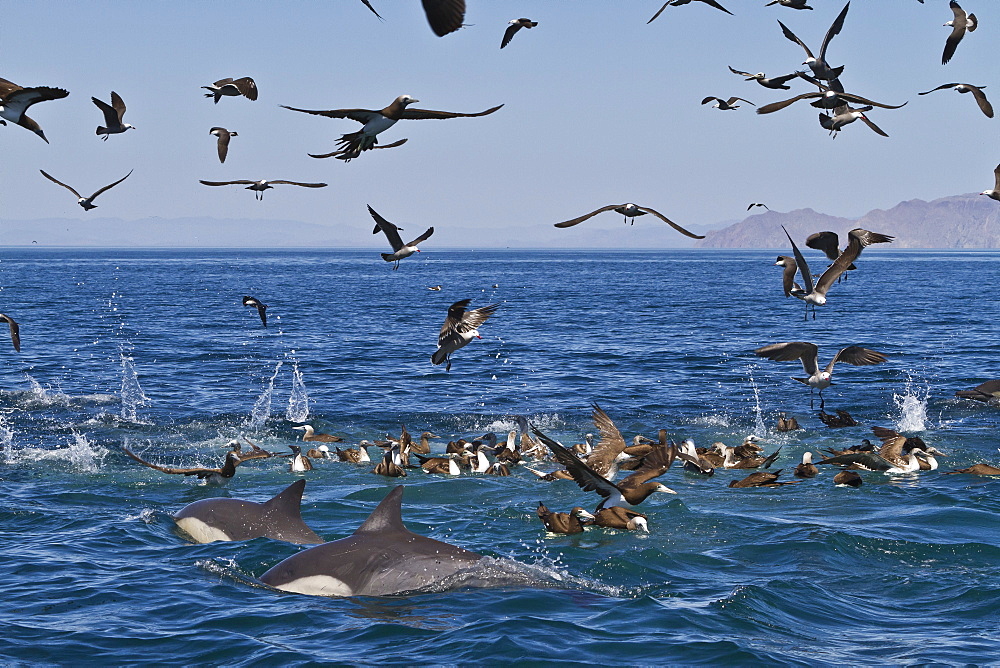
(280, 518)
(381, 558)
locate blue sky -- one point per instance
(599, 108)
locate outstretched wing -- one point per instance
(242, 182)
(73, 190)
(828, 242)
(444, 16)
(359, 115)
(777, 106)
(612, 442)
(659, 11)
(791, 351)
(390, 230)
(304, 185)
(475, 318)
(857, 240)
(167, 469)
(111, 117)
(857, 356)
(654, 465)
(807, 278)
(587, 478)
(671, 223)
(835, 28)
(424, 114)
(790, 35)
(576, 221)
(742, 74)
(422, 238)
(111, 185)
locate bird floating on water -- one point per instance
(86, 202)
(977, 93)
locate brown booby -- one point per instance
(112, 116)
(977, 93)
(459, 328)
(399, 249)
(322, 452)
(86, 202)
(256, 451)
(630, 211)
(209, 475)
(244, 86)
(961, 24)
(439, 465)
(223, 141)
(808, 354)
(311, 435)
(806, 469)
(820, 67)
(15, 331)
(829, 243)
(513, 27)
(568, 523)
(390, 465)
(838, 421)
(775, 83)
(617, 517)
(678, 3)
(693, 461)
(786, 423)
(257, 304)
(358, 455)
(761, 479)
(726, 105)
(995, 193)
(978, 469)
(847, 479)
(260, 186)
(15, 100)
(376, 121)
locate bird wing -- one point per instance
(835, 28)
(738, 99)
(791, 351)
(422, 238)
(246, 86)
(867, 121)
(941, 87)
(784, 78)
(73, 190)
(476, 317)
(777, 106)
(390, 230)
(984, 104)
(654, 465)
(15, 331)
(7, 87)
(803, 266)
(790, 35)
(587, 478)
(996, 176)
(957, 33)
(369, 6)
(111, 117)
(455, 313)
(657, 14)
(359, 115)
(742, 74)
(20, 99)
(863, 100)
(710, 98)
(223, 143)
(444, 16)
(892, 443)
(297, 183)
(828, 242)
(857, 240)
(857, 356)
(241, 182)
(576, 221)
(788, 276)
(715, 4)
(118, 103)
(111, 185)
(611, 444)
(671, 223)
(509, 34)
(167, 469)
(424, 114)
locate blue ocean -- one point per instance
(153, 350)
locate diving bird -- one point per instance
(858, 240)
(961, 24)
(988, 392)
(259, 305)
(15, 100)
(631, 212)
(818, 64)
(977, 93)
(514, 26)
(767, 82)
(399, 249)
(112, 116)
(376, 121)
(678, 3)
(726, 105)
(753, 204)
(244, 86)
(845, 115)
(995, 193)
(459, 328)
(215, 476)
(792, 4)
(260, 186)
(808, 354)
(15, 331)
(86, 202)
(223, 141)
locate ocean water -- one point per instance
(153, 350)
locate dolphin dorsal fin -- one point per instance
(289, 500)
(387, 516)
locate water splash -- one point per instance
(83, 455)
(6, 440)
(758, 426)
(262, 407)
(298, 400)
(912, 405)
(131, 394)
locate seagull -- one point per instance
(808, 354)
(829, 243)
(826, 99)
(772, 82)
(995, 193)
(260, 306)
(959, 25)
(260, 186)
(112, 116)
(15, 100)
(244, 86)
(788, 275)
(459, 328)
(223, 134)
(820, 67)
(399, 249)
(792, 4)
(726, 105)
(845, 115)
(678, 3)
(858, 240)
(213, 476)
(376, 121)
(15, 331)
(86, 202)
(515, 25)
(977, 92)
(753, 204)
(630, 211)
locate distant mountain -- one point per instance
(960, 221)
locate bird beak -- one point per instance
(418, 250)
(478, 336)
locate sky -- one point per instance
(599, 108)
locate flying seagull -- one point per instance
(15, 331)
(459, 328)
(516, 25)
(820, 67)
(858, 240)
(808, 353)
(86, 202)
(788, 275)
(977, 92)
(767, 82)
(259, 305)
(260, 186)
(369, 6)
(678, 3)
(223, 134)
(376, 121)
(630, 211)
(792, 4)
(15, 100)
(826, 99)
(845, 115)
(244, 86)
(726, 105)
(753, 204)
(959, 25)
(399, 249)
(995, 193)
(829, 243)
(112, 116)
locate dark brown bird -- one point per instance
(223, 136)
(678, 3)
(561, 474)
(15, 100)
(439, 465)
(218, 475)
(244, 86)
(786, 423)
(806, 469)
(841, 419)
(988, 392)
(617, 517)
(389, 466)
(978, 469)
(567, 523)
(311, 435)
(444, 16)
(761, 479)
(256, 451)
(848, 478)
(259, 305)
(513, 27)
(15, 331)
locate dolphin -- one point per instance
(280, 518)
(381, 558)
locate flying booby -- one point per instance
(244, 86)
(223, 141)
(15, 331)
(15, 100)
(977, 93)
(786, 423)
(808, 354)
(726, 105)
(376, 121)
(514, 26)
(995, 193)
(113, 114)
(776, 83)
(260, 186)
(86, 202)
(819, 65)
(678, 3)
(459, 328)
(961, 24)
(630, 211)
(259, 305)
(399, 249)
(209, 475)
